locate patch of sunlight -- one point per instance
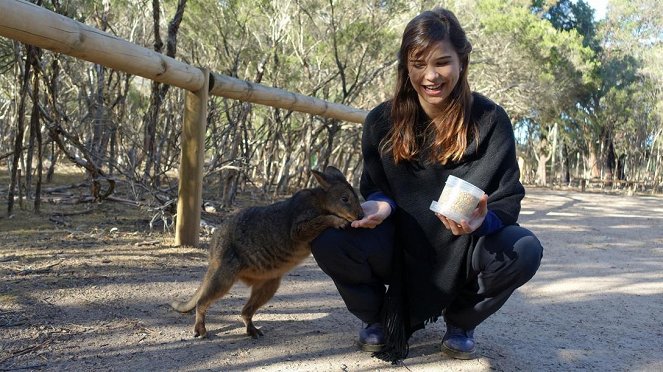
(649, 288)
(547, 198)
(619, 215)
(527, 212)
(650, 366)
(8, 298)
(631, 227)
(618, 208)
(276, 316)
(581, 288)
(563, 226)
(572, 355)
(562, 214)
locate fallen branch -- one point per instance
(65, 187)
(40, 270)
(132, 203)
(75, 200)
(24, 351)
(147, 242)
(56, 133)
(65, 214)
(58, 220)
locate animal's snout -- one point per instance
(352, 214)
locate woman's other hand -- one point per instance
(374, 213)
(467, 227)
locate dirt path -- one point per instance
(75, 295)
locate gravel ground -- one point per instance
(78, 294)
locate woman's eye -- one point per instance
(417, 64)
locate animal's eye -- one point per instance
(345, 199)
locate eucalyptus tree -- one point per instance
(243, 39)
(534, 70)
(615, 120)
(619, 117)
(151, 148)
(339, 51)
(633, 34)
(352, 51)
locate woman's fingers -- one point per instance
(369, 221)
(456, 228)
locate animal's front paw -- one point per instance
(338, 222)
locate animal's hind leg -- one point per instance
(217, 282)
(261, 292)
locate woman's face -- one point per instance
(434, 75)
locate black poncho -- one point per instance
(432, 263)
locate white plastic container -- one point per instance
(458, 199)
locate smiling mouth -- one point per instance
(433, 88)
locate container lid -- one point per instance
(454, 181)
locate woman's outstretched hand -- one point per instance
(374, 213)
(467, 227)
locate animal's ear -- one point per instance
(321, 178)
(333, 172)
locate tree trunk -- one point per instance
(593, 162)
(52, 88)
(34, 128)
(621, 167)
(332, 126)
(52, 161)
(609, 160)
(40, 166)
(35, 137)
(158, 90)
(566, 165)
(542, 156)
(20, 128)
(231, 175)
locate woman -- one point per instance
(462, 270)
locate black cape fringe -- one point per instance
(395, 317)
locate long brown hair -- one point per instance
(447, 134)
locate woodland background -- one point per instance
(585, 96)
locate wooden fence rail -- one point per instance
(229, 87)
(31, 24)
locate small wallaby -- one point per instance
(258, 245)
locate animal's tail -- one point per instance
(216, 248)
(185, 307)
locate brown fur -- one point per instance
(259, 245)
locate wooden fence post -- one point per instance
(189, 195)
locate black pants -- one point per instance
(359, 263)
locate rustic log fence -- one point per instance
(31, 24)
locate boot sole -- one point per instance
(370, 347)
(464, 355)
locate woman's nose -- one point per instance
(430, 73)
